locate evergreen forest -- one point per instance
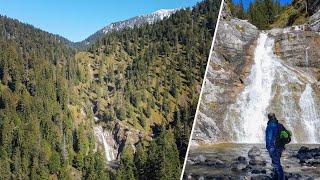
(141, 84)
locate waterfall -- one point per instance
(101, 137)
(307, 56)
(309, 114)
(272, 86)
(248, 114)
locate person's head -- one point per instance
(271, 116)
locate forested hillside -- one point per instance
(37, 132)
(261, 13)
(267, 14)
(140, 84)
(297, 13)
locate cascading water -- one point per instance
(247, 116)
(309, 115)
(273, 86)
(101, 137)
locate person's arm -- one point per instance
(270, 137)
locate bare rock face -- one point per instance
(233, 38)
(226, 12)
(125, 136)
(113, 138)
(229, 64)
(298, 47)
(314, 22)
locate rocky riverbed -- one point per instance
(248, 161)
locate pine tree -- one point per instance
(140, 161)
(127, 166)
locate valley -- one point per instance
(108, 110)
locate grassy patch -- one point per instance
(239, 28)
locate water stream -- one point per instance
(228, 153)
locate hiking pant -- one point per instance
(275, 155)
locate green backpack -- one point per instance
(283, 136)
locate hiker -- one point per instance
(276, 139)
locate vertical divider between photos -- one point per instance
(203, 82)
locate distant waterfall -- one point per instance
(101, 137)
(273, 86)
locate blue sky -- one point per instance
(246, 2)
(77, 19)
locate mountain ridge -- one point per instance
(127, 23)
(138, 20)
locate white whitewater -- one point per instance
(309, 114)
(273, 86)
(247, 116)
(101, 137)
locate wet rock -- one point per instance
(303, 149)
(309, 157)
(255, 157)
(238, 166)
(254, 151)
(261, 177)
(241, 159)
(189, 161)
(209, 177)
(200, 159)
(303, 157)
(221, 177)
(215, 164)
(211, 164)
(297, 176)
(258, 171)
(189, 176)
(258, 161)
(313, 162)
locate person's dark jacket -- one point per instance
(271, 134)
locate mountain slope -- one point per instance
(37, 133)
(149, 79)
(296, 13)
